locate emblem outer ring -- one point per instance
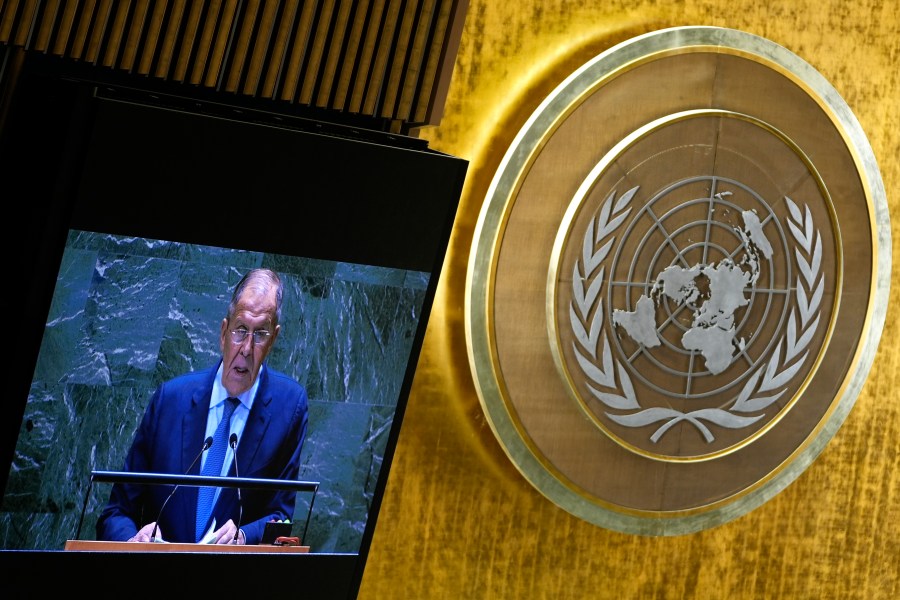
(493, 390)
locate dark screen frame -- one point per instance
(83, 153)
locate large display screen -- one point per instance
(147, 214)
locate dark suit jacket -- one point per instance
(170, 436)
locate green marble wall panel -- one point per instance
(130, 313)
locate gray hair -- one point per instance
(261, 281)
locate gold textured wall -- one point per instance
(459, 521)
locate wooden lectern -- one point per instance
(190, 480)
(100, 546)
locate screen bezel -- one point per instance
(393, 198)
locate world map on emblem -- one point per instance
(695, 313)
(710, 292)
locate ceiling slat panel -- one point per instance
(349, 66)
(277, 58)
(236, 60)
(221, 43)
(9, 17)
(61, 27)
(262, 48)
(301, 41)
(18, 21)
(417, 55)
(98, 32)
(171, 30)
(319, 41)
(383, 59)
(208, 24)
(135, 32)
(334, 54)
(149, 41)
(115, 33)
(383, 50)
(433, 61)
(373, 30)
(398, 58)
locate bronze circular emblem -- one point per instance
(678, 281)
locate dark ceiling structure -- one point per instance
(383, 65)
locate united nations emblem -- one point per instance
(698, 305)
(673, 302)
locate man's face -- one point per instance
(241, 361)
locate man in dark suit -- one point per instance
(269, 418)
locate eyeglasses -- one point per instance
(239, 335)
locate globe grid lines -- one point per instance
(714, 199)
(737, 411)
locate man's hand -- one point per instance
(225, 534)
(143, 535)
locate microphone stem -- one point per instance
(206, 444)
(237, 532)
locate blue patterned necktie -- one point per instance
(213, 466)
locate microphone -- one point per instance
(232, 441)
(206, 444)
